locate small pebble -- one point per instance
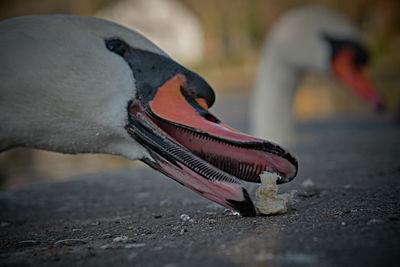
(122, 238)
(308, 183)
(227, 212)
(347, 186)
(69, 243)
(231, 213)
(184, 217)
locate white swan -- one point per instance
(304, 39)
(83, 85)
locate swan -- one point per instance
(75, 84)
(310, 38)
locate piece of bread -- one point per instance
(267, 199)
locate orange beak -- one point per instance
(355, 77)
(173, 107)
(173, 104)
(193, 147)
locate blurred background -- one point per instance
(221, 40)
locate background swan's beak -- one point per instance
(356, 78)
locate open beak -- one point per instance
(355, 77)
(190, 145)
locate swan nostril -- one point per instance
(211, 118)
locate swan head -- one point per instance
(317, 39)
(169, 117)
(84, 85)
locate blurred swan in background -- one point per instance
(305, 39)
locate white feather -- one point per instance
(62, 90)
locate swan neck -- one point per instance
(272, 100)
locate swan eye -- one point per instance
(118, 47)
